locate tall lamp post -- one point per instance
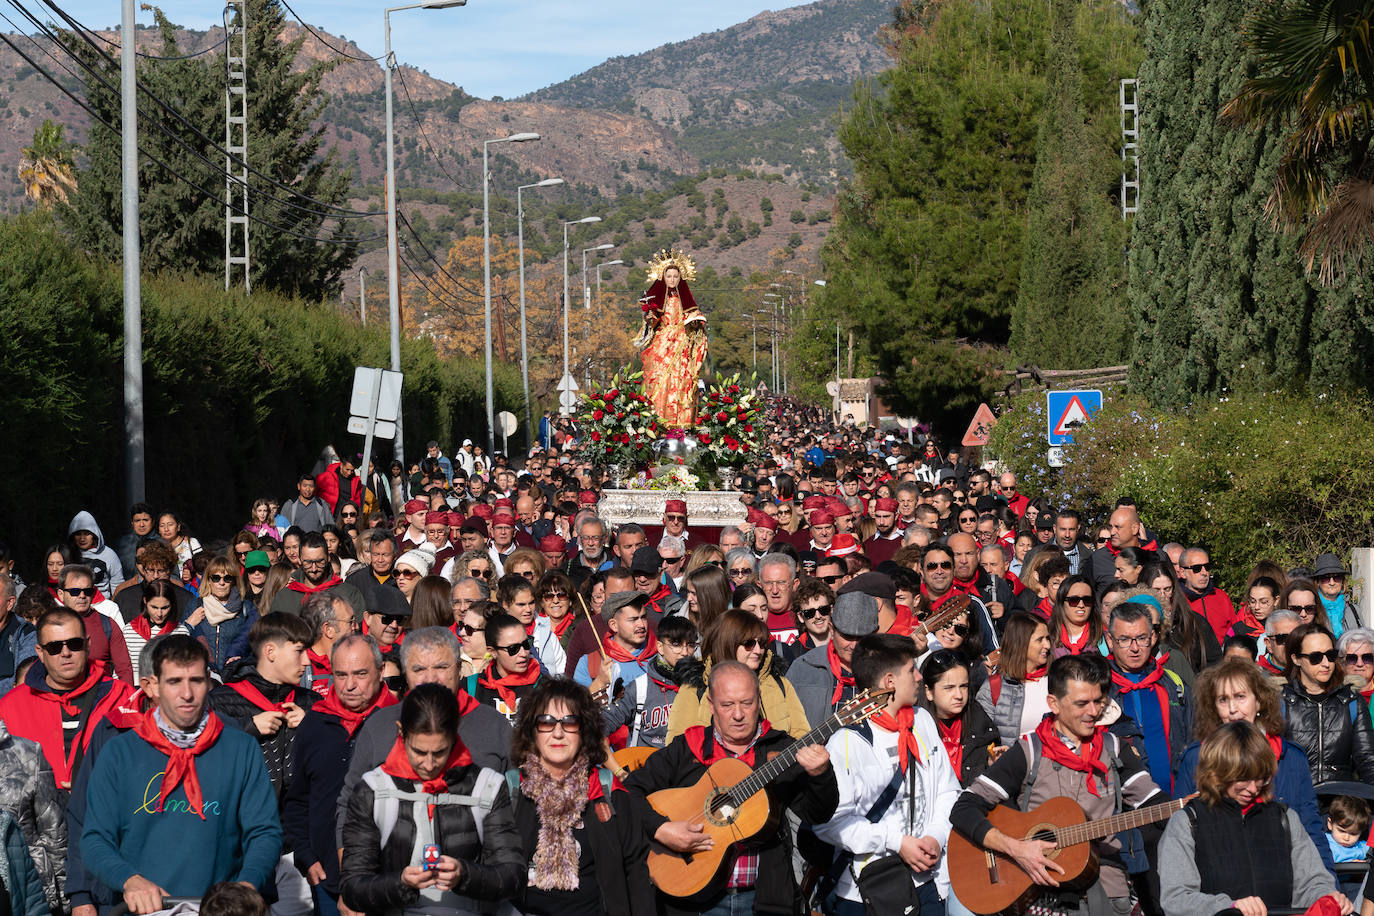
(598, 267)
(567, 376)
(773, 347)
(524, 344)
(362, 295)
(586, 290)
(393, 242)
(486, 279)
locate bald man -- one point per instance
(1127, 531)
(1016, 501)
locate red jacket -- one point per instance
(327, 487)
(1216, 607)
(33, 710)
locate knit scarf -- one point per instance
(952, 737)
(842, 680)
(560, 802)
(306, 589)
(503, 684)
(397, 764)
(350, 719)
(618, 652)
(215, 610)
(1125, 685)
(1088, 758)
(181, 762)
(144, 627)
(907, 746)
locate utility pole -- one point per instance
(236, 142)
(134, 467)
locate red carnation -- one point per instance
(734, 389)
(613, 393)
(727, 399)
(620, 415)
(748, 427)
(722, 417)
(609, 449)
(596, 436)
(705, 438)
(598, 414)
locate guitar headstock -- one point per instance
(868, 703)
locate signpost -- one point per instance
(374, 407)
(567, 395)
(981, 427)
(1065, 412)
(506, 420)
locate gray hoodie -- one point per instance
(109, 571)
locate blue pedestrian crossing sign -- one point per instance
(1067, 411)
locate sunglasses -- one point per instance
(960, 629)
(1199, 567)
(349, 515)
(831, 580)
(1303, 610)
(220, 577)
(73, 644)
(1103, 540)
(484, 573)
(676, 518)
(87, 592)
(553, 595)
(1078, 600)
(393, 620)
(467, 630)
(753, 643)
(547, 723)
(407, 574)
(823, 610)
(1316, 658)
(512, 651)
(943, 564)
(1364, 658)
(742, 572)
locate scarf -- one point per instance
(907, 745)
(181, 761)
(1037, 674)
(144, 627)
(966, 586)
(560, 802)
(696, 743)
(952, 737)
(502, 685)
(349, 719)
(1269, 666)
(842, 680)
(1125, 685)
(1044, 609)
(93, 677)
(216, 612)
(397, 764)
(663, 676)
(320, 666)
(255, 696)
(1248, 625)
(306, 589)
(1075, 646)
(618, 652)
(936, 603)
(1088, 758)
(1275, 745)
(562, 626)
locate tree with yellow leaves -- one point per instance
(47, 168)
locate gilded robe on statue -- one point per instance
(672, 340)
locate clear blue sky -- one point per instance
(489, 47)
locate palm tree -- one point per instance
(47, 168)
(1315, 85)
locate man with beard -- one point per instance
(315, 575)
(888, 538)
(592, 554)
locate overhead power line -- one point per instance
(322, 40)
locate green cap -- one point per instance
(256, 559)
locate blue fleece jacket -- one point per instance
(126, 834)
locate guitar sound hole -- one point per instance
(722, 810)
(1044, 836)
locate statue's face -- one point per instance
(672, 277)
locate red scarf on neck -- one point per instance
(966, 586)
(181, 762)
(306, 589)
(397, 764)
(144, 627)
(618, 652)
(1125, 685)
(502, 685)
(696, 743)
(1044, 609)
(907, 746)
(1248, 624)
(935, 603)
(1275, 745)
(1087, 760)
(255, 696)
(94, 676)
(350, 720)
(952, 737)
(560, 627)
(842, 680)
(320, 665)
(1037, 674)
(1075, 646)
(1267, 665)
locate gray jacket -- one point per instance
(484, 731)
(815, 685)
(29, 792)
(1006, 713)
(643, 707)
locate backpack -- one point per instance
(386, 800)
(1110, 744)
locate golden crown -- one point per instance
(665, 259)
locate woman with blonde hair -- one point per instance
(527, 562)
(704, 555)
(221, 618)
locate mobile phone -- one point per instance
(431, 857)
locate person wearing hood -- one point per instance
(315, 575)
(85, 536)
(221, 618)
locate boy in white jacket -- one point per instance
(896, 782)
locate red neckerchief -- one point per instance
(306, 589)
(503, 685)
(320, 665)
(466, 702)
(255, 696)
(1275, 745)
(936, 603)
(842, 680)
(696, 743)
(1037, 674)
(907, 746)
(666, 685)
(952, 737)
(144, 627)
(968, 587)
(1151, 545)
(529, 627)
(1088, 759)
(1075, 646)
(657, 597)
(1267, 665)
(350, 720)
(903, 623)
(620, 654)
(1151, 680)
(398, 764)
(1251, 624)
(181, 762)
(560, 627)
(94, 676)
(1017, 586)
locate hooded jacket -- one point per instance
(27, 792)
(109, 570)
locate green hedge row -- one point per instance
(241, 392)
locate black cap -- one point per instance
(387, 601)
(647, 560)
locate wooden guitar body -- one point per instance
(723, 818)
(988, 882)
(632, 758)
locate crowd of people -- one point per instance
(458, 688)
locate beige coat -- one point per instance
(781, 707)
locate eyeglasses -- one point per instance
(345, 624)
(512, 651)
(943, 564)
(1199, 567)
(220, 577)
(753, 643)
(688, 644)
(72, 644)
(547, 723)
(407, 574)
(1364, 658)
(742, 573)
(1078, 600)
(1303, 610)
(323, 561)
(1316, 658)
(1329, 577)
(675, 518)
(821, 609)
(1133, 641)
(467, 630)
(87, 592)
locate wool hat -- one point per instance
(455, 519)
(855, 614)
(476, 524)
(503, 517)
(647, 560)
(766, 521)
(436, 517)
(483, 511)
(586, 497)
(418, 559)
(416, 505)
(821, 517)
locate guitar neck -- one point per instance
(1126, 820)
(778, 765)
(952, 609)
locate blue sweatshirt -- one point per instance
(125, 834)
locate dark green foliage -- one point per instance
(241, 393)
(182, 228)
(1219, 300)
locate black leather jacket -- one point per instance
(1334, 729)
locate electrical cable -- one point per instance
(424, 135)
(309, 28)
(146, 56)
(460, 284)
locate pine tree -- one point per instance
(304, 251)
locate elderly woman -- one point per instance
(741, 567)
(1356, 649)
(1234, 848)
(578, 831)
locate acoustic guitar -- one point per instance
(956, 604)
(988, 882)
(729, 803)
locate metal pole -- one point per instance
(393, 244)
(362, 295)
(524, 343)
(134, 467)
(486, 297)
(565, 315)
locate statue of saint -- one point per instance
(672, 340)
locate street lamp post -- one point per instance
(524, 343)
(598, 267)
(586, 290)
(393, 242)
(566, 375)
(773, 348)
(486, 280)
(362, 295)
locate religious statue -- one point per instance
(672, 339)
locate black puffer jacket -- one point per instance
(276, 748)
(1334, 729)
(978, 737)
